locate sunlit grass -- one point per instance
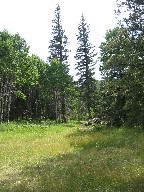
(66, 158)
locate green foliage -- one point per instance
(16, 70)
(35, 93)
(60, 88)
(31, 89)
(114, 69)
(122, 86)
(134, 21)
(85, 53)
(29, 86)
(58, 75)
(122, 69)
(85, 65)
(57, 47)
(58, 69)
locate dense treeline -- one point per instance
(122, 67)
(32, 89)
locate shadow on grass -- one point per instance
(88, 138)
(89, 169)
(71, 172)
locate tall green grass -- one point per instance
(64, 158)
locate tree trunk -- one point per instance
(57, 107)
(63, 109)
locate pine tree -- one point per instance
(85, 64)
(59, 52)
(57, 47)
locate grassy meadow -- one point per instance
(68, 158)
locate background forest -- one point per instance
(31, 89)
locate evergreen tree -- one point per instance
(59, 52)
(85, 64)
(134, 22)
(57, 47)
(122, 89)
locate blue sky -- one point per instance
(32, 19)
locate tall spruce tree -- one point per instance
(59, 52)
(85, 65)
(57, 47)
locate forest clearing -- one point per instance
(65, 158)
(42, 147)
